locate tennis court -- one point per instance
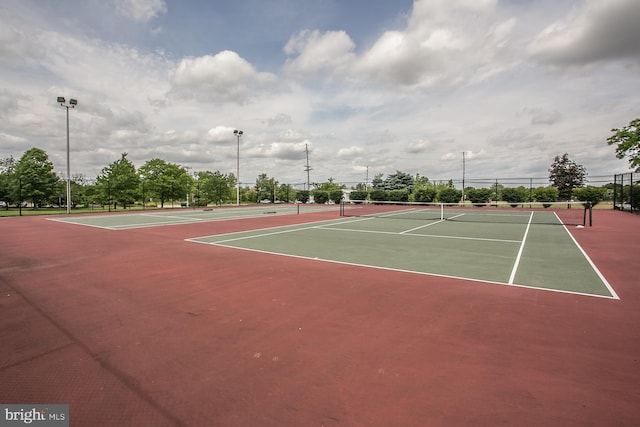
(517, 247)
(125, 221)
(131, 323)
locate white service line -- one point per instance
(517, 262)
(606, 283)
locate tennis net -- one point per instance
(559, 213)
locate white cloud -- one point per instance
(291, 135)
(317, 52)
(456, 75)
(141, 10)
(418, 146)
(279, 119)
(444, 43)
(596, 31)
(350, 152)
(541, 116)
(224, 77)
(280, 150)
(221, 134)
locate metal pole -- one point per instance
(238, 171)
(463, 173)
(631, 201)
(20, 195)
(622, 191)
(68, 168)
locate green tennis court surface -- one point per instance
(150, 218)
(530, 253)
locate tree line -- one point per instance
(32, 180)
(566, 179)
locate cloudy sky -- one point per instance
(367, 86)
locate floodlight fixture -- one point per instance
(73, 101)
(61, 99)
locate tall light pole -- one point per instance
(238, 134)
(464, 168)
(72, 104)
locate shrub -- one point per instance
(632, 194)
(303, 196)
(358, 195)
(320, 197)
(424, 195)
(449, 195)
(589, 194)
(514, 196)
(479, 196)
(545, 194)
(398, 195)
(378, 195)
(335, 196)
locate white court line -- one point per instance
(63, 221)
(595, 269)
(187, 217)
(377, 267)
(404, 233)
(252, 236)
(329, 226)
(199, 238)
(181, 218)
(519, 256)
(422, 226)
(429, 225)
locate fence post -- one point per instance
(631, 191)
(20, 195)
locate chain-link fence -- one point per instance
(626, 192)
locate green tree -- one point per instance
(423, 190)
(565, 175)
(37, 179)
(119, 182)
(215, 187)
(627, 141)
(7, 181)
(421, 181)
(286, 193)
(164, 181)
(378, 182)
(399, 181)
(361, 186)
(265, 187)
(79, 185)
